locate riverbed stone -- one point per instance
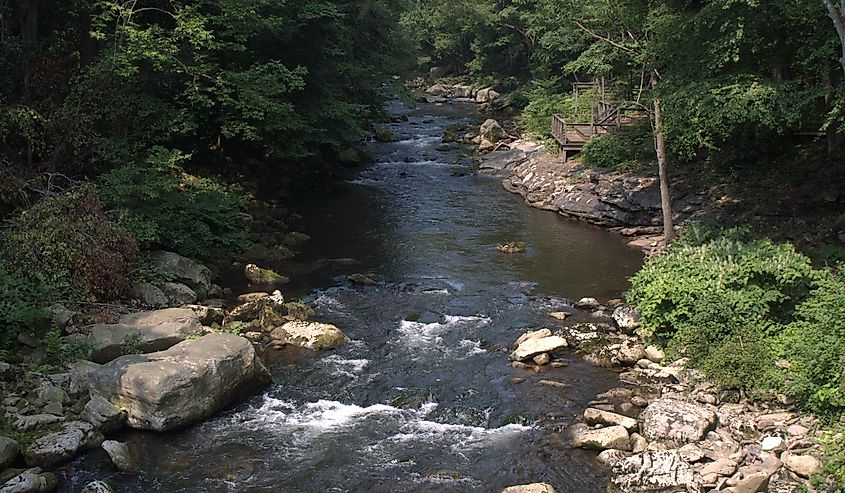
(676, 422)
(181, 385)
(32, 480)
(651, 472)
(626, 317)
(9, 450)
(144, 332)
(309, 335)
(597, 416)
(587, 303)
(98, 487)
(533, 334)
(259, 275)
(268, 311)
(63, 445)
(610, 457)
(79, 371)
(532, 347)
(802, 465)
(28, 422)
(611, 437)
(530, 488)
(46, 393)
(773, 444)
(122, 455)
(654, 354)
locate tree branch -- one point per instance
(606, 40)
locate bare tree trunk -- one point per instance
(837, 15)
(662, 163)
(660, 147)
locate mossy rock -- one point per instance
(384, 135)
(296, 310)
(258, 275)
(361, 279)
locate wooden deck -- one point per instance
(571, 136)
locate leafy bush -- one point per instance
(814, 345)
(628, 148)
(832, 477)
(167, 208)
(720, 301)
(68, 247)
(19, 306)
(753, 315)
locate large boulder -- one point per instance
(676, 422)
(143, 332)
(653, 472)
(184, 270)
(123, 455)
(104, 415)
(63, 445)
(178, 294)
(309, 335)
(182, 385)
(534, 346)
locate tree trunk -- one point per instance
(837, 15)
(660, 147)
(29, 39)
(662, 163)
(834, 138)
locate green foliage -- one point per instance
(68, 246)
(66, 351)
(832, 477)
(548, 97)
(20, 302)
(754, 315)
(167, 208)
(628, 148)
(815, 346)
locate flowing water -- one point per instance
(422, 398)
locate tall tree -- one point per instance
(837, 15)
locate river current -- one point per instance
(422, 399)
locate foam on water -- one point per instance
(341, 366)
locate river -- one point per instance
(422, 399)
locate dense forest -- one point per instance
(128, 126)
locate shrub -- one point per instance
(721, 301)
(627, 148)
(167, 208)
(19, 306)
(832, 477)
(814, 345)
(68, 247)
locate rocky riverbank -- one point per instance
(154, 369)
(666, 427)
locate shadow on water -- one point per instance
(422, 398)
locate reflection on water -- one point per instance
(422, 398)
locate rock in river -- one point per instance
(182, 385)
(310, 335)
(534, 346)
(143, 332)
(530, 488)
(653, 472)
(30, 481)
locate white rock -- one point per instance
(309, 335)
(654, 354)
(533, 334)
(653, 472)
(63, 445)
(587, 303)
(532, 347)
(773, 444)
(30, 481)
(530, 488)
(122, 455)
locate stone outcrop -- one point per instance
(181, 385)
(9, 450)
(30, 481)
(143, 332)
(183, 270)
(611, 437)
